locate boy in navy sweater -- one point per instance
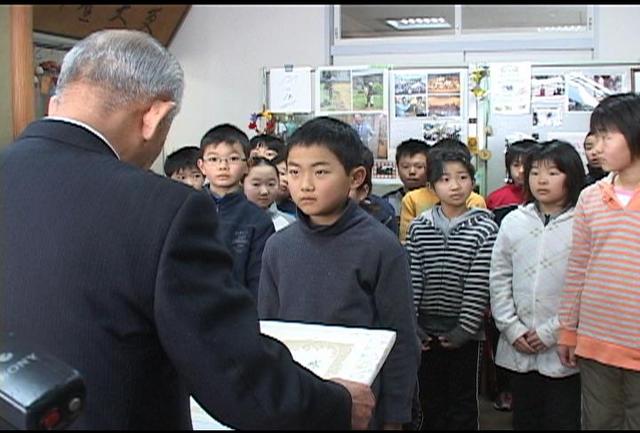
(244, 227)
(337, 265)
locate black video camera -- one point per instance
(37, 391)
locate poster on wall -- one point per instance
(586, 90)
(510, 85)
(429, 105)
(372, 129)
(290, 90)
(287, 123)
(351, 89)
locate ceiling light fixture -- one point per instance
(574, 28)
(419, 23)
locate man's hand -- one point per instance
(362, 401)
(567, 355)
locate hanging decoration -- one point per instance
(477, 76)
(262, 122)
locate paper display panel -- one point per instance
(510, 87)
(290, 90)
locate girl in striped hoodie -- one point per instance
(528, 266)
(600, 309)
(449, 247)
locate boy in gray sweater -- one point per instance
(337, 265)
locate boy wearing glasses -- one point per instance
(244, 227)
(182, 165)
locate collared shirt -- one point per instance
(85, 126)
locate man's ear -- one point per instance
(153, 117)
(358, 174)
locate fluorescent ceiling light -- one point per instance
(574, 28)
(419, 23)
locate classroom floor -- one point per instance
(491, 419)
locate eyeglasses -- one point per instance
(229, 159)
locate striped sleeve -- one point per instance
(476, 287)
(415, 266)
(576, 273)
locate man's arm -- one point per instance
(209, 330)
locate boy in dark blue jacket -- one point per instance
(337, 265)
(244, 227)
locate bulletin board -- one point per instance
(369, 98)
(434, 102)
(562, 99)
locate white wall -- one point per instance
(223, 50)
(618, 33)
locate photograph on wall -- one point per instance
(586, 91)
(410, 94)
(444, 105)
(372, 129)
(409, 83)
(547, 86)
(368, 90)
(334, 86)
(435, 129)
(384, 169)
(287, 123)
(547, 115)
(444, 83)
(290, 90)
(411, 106)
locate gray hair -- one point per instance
(130, 65)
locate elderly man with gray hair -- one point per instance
(118, 271)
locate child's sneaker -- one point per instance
(503, 402)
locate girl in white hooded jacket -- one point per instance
(528, 265)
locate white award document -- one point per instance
(329, 351)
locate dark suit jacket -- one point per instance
(117, 271)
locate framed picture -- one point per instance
(635, 79)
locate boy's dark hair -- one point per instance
(620, 112)
(568, 161)
(339, 137)
(225, 133)
(367, 162)
(411, 147)
(280, 157)
(450, 144)
(185, 157)
(437, 160)
(269, 141)
(518, 150)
